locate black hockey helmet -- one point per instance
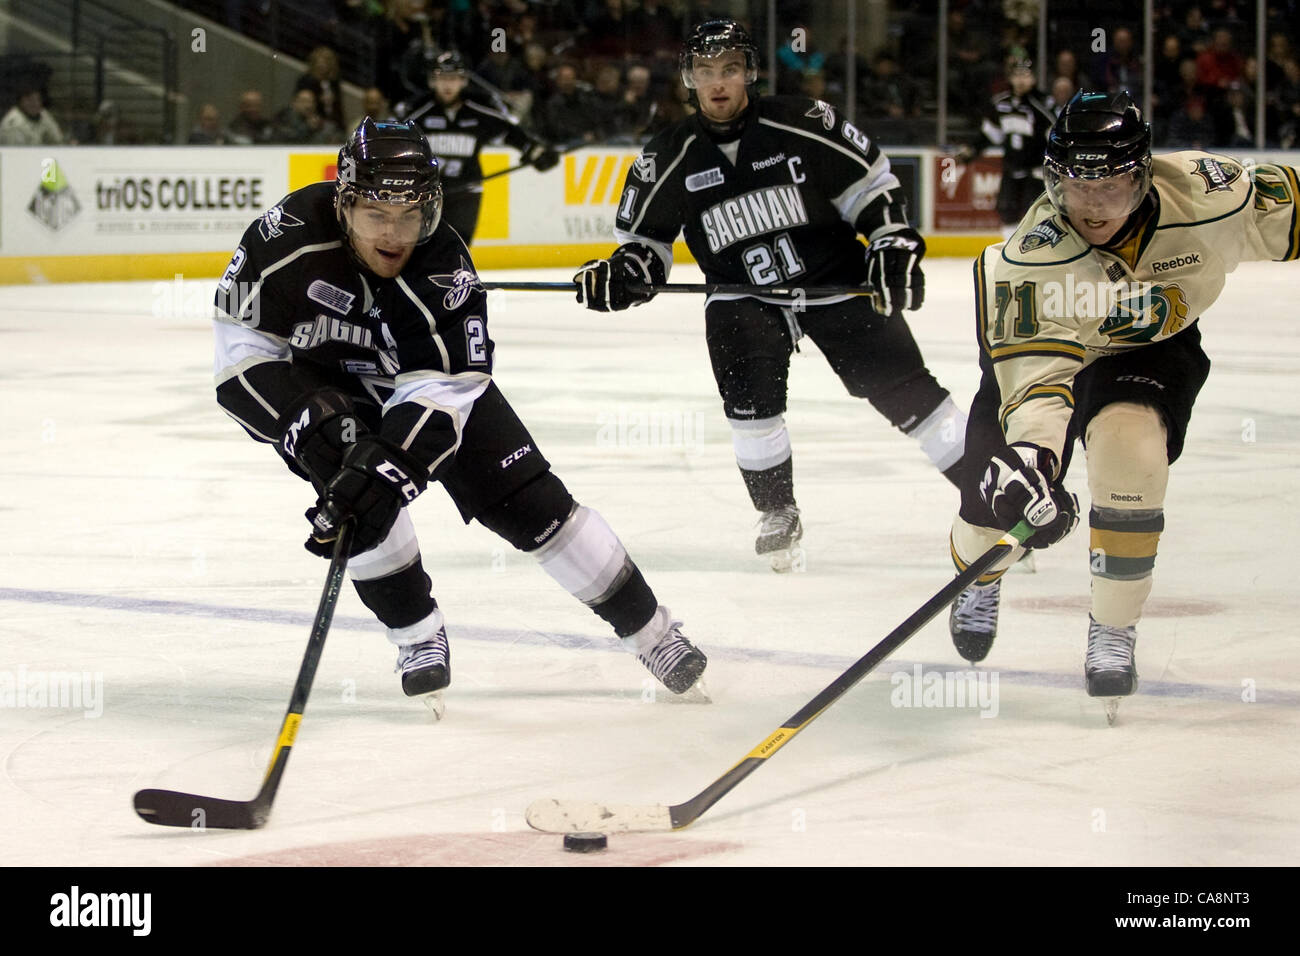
(1098, 136)
(449, 61)
(713, 38)
(388, 163)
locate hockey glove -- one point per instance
(377, 479)
(316, 432)
(625, 279)
(1018, 486)
(894, 272)
(541, 157)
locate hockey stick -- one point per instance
(172, 808)
(707, 288)
(571, 816)
(466, 187)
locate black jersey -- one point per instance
(1018, 124)
(784, 201)
(296, 312)
(457, 134)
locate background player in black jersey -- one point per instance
(457, 129)
(776, 190)
(351, 334)
(1016, 120)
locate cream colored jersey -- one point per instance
(1049, 303)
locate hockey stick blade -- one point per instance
(697, 288)
(567, 816)
(174, 808)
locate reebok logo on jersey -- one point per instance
(770, 161)
(751, 214)
(698, 181)
(1164, 265)
(514, 456)
(331, 296)
(1115, 497)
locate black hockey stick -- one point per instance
(707, 288)
(571, 816)
(172, 808)
(466, 187)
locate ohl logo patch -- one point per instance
(1141, 316)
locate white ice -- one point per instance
(150, 544)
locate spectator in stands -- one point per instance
(1194, 36)
(1062, 90)
(504, 70)
(888, 92)
(606, 119)
(207, 131)
(537, 65)
(1220, 65)
(672, 106)
(970, 70)
(1120, 68)
(1165, 72)
(250, 127)
(374, 105)
(29, 123)
(567, 116)
(1279, 51)
(638, 101)
(108, 129)
(322, 78)
(1067, 65)
(657, 30)
(609, 33)
(1190, 127)
(301, 122)
(795, 64)
(400, 45)
(1237, 126)
(1288, 106)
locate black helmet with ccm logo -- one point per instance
(390, 163)
(1099, 136)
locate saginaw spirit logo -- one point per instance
(825, 112)
(54, 204)
(458, 284)
(644, 167)
(274, 221)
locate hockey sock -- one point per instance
(967, 542)
(763, 455)
(587, 559)
(942, 435)
(1128, 474)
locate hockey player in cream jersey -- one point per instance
(1087, 328)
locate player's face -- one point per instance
(1022, 81)
(384, 234)
(448, 86)
(1097, 208)
(720, 85)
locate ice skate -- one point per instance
(973, 621)
(675, 662)
(778, 537)
(1108, 668)
(426, 670)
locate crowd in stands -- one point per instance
(614, 78)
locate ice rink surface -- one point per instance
(152, 547)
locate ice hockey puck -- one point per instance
(584, 842)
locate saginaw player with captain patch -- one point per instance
(1087, 321)
(775, 191)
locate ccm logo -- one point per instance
(397, 182)
(514, 456)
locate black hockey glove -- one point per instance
(315, 433)
(377, 479)
(1018, 486)
(541, 157)
(894, 272)
(625, 279)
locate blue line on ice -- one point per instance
(107, 602)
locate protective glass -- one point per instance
(1099, 198)
(396, 222)
(701, 69)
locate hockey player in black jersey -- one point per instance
(776, 190)
(351, 334)
(1017, 120)
(457, 129)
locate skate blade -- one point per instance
(787, 560)
(433, 700)
(697, 693)
(1112, 709)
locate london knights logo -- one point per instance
(1145, 313)
(1218, 176)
